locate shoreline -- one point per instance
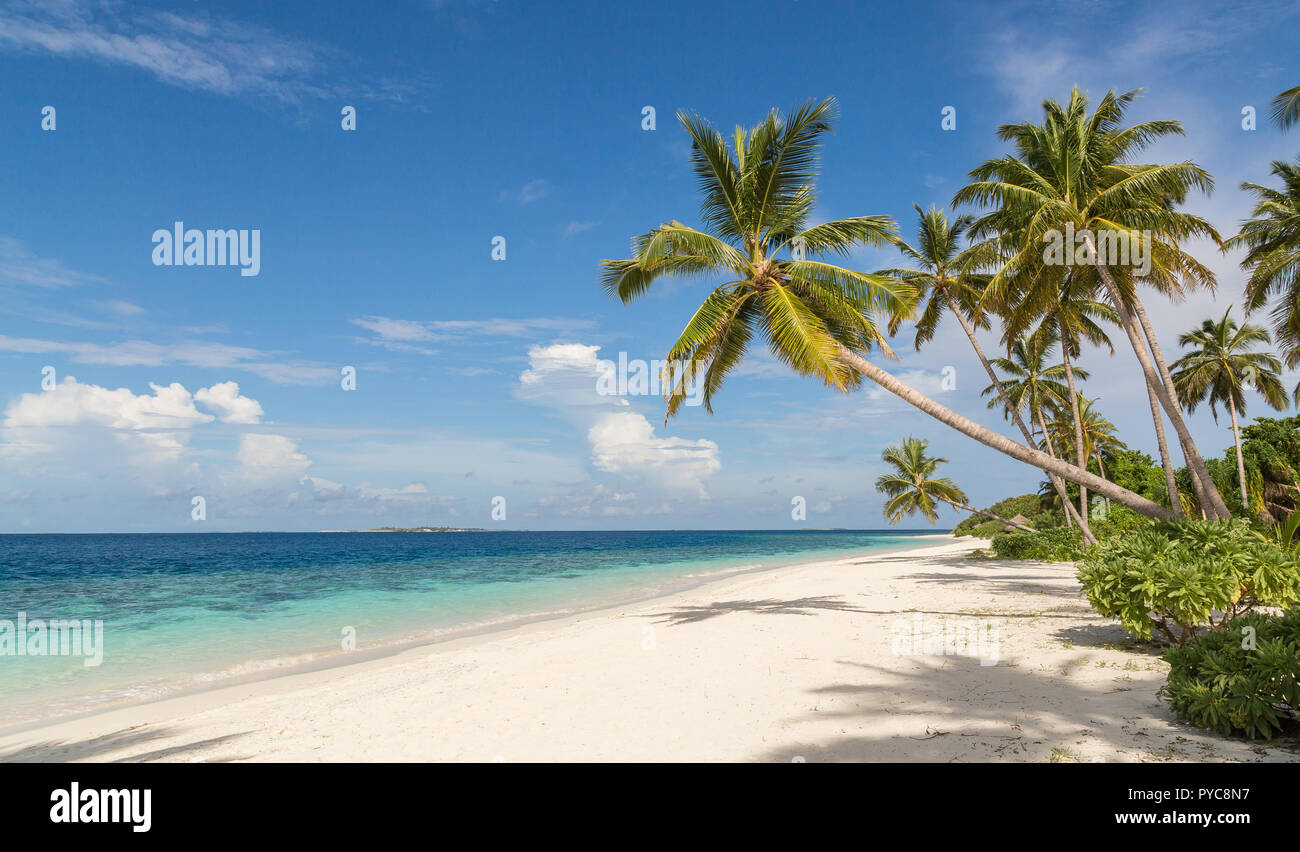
(269, 668)
(791, 663)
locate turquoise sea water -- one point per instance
(184, 611)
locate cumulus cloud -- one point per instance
(268, 457)
(233, 408)
(71, 403)
(563, 377)
(624, 442)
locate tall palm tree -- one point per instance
(1286, 107)
(911, 487)
(1071, 175)
(1272, 240)
(815, 316)
(1221, 367)
(945, 284)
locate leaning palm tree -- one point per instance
(1272, 241)
(1286, 107)
(911, 486)
(946, 284)
(1071, 178)
(1221, 367)
(816, 317)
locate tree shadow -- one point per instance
(65, 751)
(770, 606)
(952, 709)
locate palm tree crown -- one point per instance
(758, 196)
(1220, 367)
(1272, 240)
(942, 281)
(911, 486)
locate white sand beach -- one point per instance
(795, 663)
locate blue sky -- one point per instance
(477, 120)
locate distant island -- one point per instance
(412, 530)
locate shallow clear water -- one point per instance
(185, 610)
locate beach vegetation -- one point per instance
(1241, 680)
(1177, 579)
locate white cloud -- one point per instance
(269, 457)
(624, 442)
(71, 403)
(233, 408)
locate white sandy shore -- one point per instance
(794, 663)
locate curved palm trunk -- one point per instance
(959, 505)
(1079, 457)
(1171, 481)
(1211, 499)
(1070, 513)
(1001, 443)
(1241, 461)
(1101, 467)
(1209, 495)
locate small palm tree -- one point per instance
(1031, 383)
(912, 487)
(1272, 241)
(1083, 423)
(1221, 367)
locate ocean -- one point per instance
(187, 611)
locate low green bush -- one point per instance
(1055, 544)
(1178, 578)
(1244, 679)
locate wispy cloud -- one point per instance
(193, 51)
(400, 335)
(534, 190)
(19, 265)
(142, 353)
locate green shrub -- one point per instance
(1181, 577)
(1056, 544)
(1234, 681)
(1029, 505)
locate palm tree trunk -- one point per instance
(1171, 481)
(1241, 461)
(1101, 467)
(1079, 457)
(1195, 464)
(1001, 443)
(973, 510)
(1211, 494)
(1015, 413)
(1070, 512)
